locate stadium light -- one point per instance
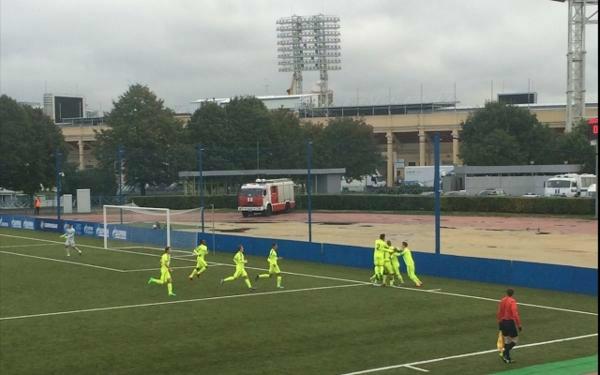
(309, 43)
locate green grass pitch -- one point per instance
(95, 314)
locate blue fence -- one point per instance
(505, 272)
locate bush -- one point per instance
(385, 202)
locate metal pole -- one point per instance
(201, 187)
(596, 198)
(309, 188)
(436, 187)
(120, 164)
(57, 156)
(213, 225)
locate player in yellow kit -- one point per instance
(395, 262)
(388, 271)
(380, 246)
(273, 267)
(410, 264)
(201, 264)
(240, 262)
(165, 272)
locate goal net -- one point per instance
(132, 226)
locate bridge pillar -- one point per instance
(422, 145)
(455, 147)
(81, 158)
(390, 158)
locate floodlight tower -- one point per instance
(309, 43)
(577, 20)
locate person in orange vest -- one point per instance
(37, 203)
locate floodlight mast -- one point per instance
(577, 20)
(309, 43)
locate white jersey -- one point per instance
(70, 236)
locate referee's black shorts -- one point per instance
(508, 328)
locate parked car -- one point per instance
(491, 192)
(530, 195)
(455, 193)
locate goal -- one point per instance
(131, 225)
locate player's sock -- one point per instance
(170, 288)
(247, 281)
(193, 273)
(264, 276)
(507, 348)
(155, 281)
(279, 281)
(230, 278)
(201, 270)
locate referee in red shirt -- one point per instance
(509, 323)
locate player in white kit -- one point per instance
(69, 237)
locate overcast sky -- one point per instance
(186, 50)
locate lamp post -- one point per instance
(58, 156)
(201, 182)
(308, 188)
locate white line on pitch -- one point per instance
(180, 301)
(336, 279)
(62, 261)
(155, 268)
(467, 355)
(30, 245)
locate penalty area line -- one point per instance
(412, 364)
(248, 295)
(62, 261)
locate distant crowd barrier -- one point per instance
(506, 272)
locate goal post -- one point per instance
(136, 224)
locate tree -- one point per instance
(500, 134)
(149, 134)
(29, 141)
(575, 148)
(347, 143)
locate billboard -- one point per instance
(67, 107)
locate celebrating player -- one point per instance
(165, 272)
(240, 262)
(395, 262)
(380, 245)
(388, 271)
(69, 236)
(273, 267)
(201, 264)
(410, 264)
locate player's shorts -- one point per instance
(274, 268)
(200, 263)
(378, 261)
(165, 275)
(508, 328)
(70, 242)
(388, 267)
(240, 272)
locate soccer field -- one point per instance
(96, 314)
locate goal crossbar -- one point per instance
(139, 210)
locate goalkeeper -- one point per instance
(69, 237)
(165, 272)
(201, 251)
(273, 267)
(240, 261)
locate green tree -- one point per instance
(500, 134)
(575, 148)
(149, 134)
(29, 140)
(101, 180)
(346, 143)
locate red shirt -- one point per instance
(507, 310)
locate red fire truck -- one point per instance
(266, 197)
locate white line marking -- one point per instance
(433, 290)
(155, 268)
(180, 301)
(467, 355)
(31, 245)
(416, 368)
(335, 279)
(62, 261)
